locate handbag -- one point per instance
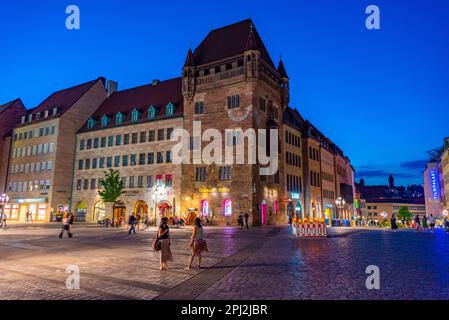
(157, 244)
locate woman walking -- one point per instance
(424, 223)
(197, 244)
(65, 225)
(394, 226)
(163, 235)
(417, 223)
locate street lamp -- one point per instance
(157, 190)
(384, 215)
(340, 203)
(445, 213)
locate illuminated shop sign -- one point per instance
(215, 190)
(295, 196)
(434, 184)
(35, 200)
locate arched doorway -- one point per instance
(81, 209)
(119, 215)
(141, 210)
(99, 211)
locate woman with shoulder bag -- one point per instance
(197, 244)
(163, 236)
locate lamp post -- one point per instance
(340, 203)
(445, 213)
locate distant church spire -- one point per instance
(391, 181)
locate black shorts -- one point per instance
(432, 225)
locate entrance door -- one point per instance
(119, 214)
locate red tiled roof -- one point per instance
(229, 41)
(5, 106)
(65, 98)
(141, 98)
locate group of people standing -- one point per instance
(419, 224)
(422, 224)
(243, 221)
(162, 244)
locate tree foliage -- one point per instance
(404, 214)
(112, 186)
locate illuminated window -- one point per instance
(104, 121)
(169, 109)
(90, 123)
(227, 208)
(205, 208)
(119, 118)
(151, 112)
(135, 115)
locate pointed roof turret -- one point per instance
(251, 42)
(190, 60)
(281, 69)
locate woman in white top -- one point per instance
(197, 244)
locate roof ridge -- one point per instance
(147, 85)
(8, 104)
(92, 82)
(232, 25)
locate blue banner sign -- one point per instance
(434, 184)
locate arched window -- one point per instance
(104, 121)
(119, 118)
(152, 112)
(135, 115)
(90, 123)
(169, 109)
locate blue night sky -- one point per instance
(382, 96)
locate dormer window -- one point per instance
(119, 118)
(104, 121)
(90, 123)
(46, 114)
(152, 112)
(169, 109)
(54, 112)
(30, 117)
(38, 116)
(135, 115)
(22, 120)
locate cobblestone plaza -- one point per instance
(261, 263)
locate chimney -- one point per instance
(112, 87)
(155, 82)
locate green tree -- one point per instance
(112, 186)
(404, 214)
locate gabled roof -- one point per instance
(66, 98)
(230, 41)
(141, 98)
(9, 104)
